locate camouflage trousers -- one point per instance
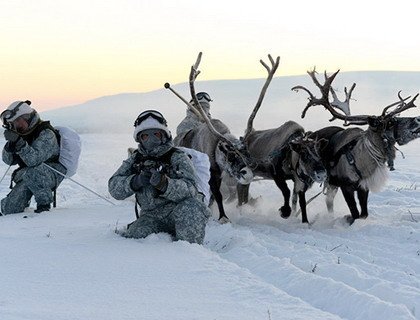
(186, 221)
(37, 181)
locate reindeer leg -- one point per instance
(215, 182)
(302, 204)
(294, 201)
(285, 209)
(243, 192)
(329, 199)
(348, 193)
(363, 200)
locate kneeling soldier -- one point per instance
(164, 181)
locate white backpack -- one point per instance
(201, 164)
(70, 148)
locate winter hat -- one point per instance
(150, 119)
(202, 97)
(17, 109)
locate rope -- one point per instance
(5, 173)
(61, 174)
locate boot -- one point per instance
(42, 207)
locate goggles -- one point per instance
(145, 135)
(203, 95)
(6, 115)
(150, 113)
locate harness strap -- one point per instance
(280, 154)
(55, 198)
(136, 210)
(346, 150)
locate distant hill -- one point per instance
(233, 101)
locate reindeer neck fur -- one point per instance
(375, 145)
(301, 180)
(370, 158)
(363, 164)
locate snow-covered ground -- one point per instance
(70, 264)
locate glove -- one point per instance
(11, 136)
(159, 180)
(140, 180)
(19, 144)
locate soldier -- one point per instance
(164, 182)
(30, 142)
(191, 121)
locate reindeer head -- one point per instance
(403, 129)
(394, 128)
(308, 160)
(388, 125)
(234, 160)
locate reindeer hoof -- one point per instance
(363, 216)
(349, 219)
(224, 220)
(285, 212)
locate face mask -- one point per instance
(151, 138)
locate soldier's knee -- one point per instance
(141, 228)
(9, 206)
(191, 208)
(190, 221)
(33, 173)
(137, 232)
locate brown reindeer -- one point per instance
(214, 138)
(356, 159)
(281, 154)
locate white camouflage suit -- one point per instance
(32, 177)
(191, 121)
(179, 211)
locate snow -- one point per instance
(70, 264)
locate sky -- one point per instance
(59, 53)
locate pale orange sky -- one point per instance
(58, 53)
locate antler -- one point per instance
(402, 106)
(324, 100)
(342, 105)
(271, 71)
(193, 75)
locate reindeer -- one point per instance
(214, 138)
(356, 159)
(282, 154)
(400, 130)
